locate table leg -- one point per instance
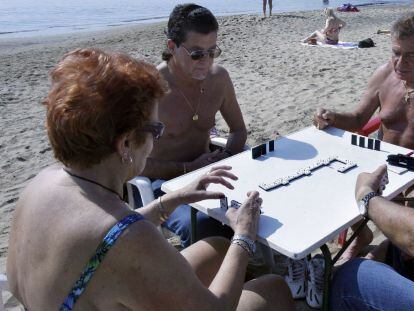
(327, 276)
(193, 219)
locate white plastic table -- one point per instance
(310, 211)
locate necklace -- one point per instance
(93, 182)
(407, 96)
(195, 115)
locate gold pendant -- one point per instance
(195, 117)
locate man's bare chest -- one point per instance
(397, 107)
(181, 113)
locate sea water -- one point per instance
(25, 18)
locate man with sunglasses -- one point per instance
(198, 90)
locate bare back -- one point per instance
(332, 28)
(55, 232)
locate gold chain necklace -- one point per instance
(407, 96)
(195, 114)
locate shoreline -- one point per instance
(50, 38)
(59, 30)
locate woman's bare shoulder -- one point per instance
(46, 179)
(149, 262)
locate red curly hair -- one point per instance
(95, 98)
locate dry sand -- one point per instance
(279, 83)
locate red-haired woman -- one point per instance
(75, 244)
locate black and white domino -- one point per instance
(377, 144)
(370, 143)
(284, 181)
(234, 204)
(354, 139)
(224, 205)
(256, 152)
(271, 145)
(373, 144)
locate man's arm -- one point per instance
(369, 103)
(395, 221)
(356, 119)
(230, 110)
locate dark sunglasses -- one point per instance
(155, 128)
(197, 55)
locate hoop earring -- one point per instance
(126, 158)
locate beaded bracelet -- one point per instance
(250, 242)
(243, 245)
(245, 242)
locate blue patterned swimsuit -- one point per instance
(93, 264)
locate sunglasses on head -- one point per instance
(155, 128)
(199, 54)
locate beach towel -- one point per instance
(347, 7)
(340, 45)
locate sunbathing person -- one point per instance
(74, 243)
(330, 34)
(198, 90)
(387, 281)
(391, 90)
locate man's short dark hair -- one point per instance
(185, 18)
(403, 28)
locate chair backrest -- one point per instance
(143, 184)
(371, 126)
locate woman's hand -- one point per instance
(197, 190)
(245, 219)
(368, 182)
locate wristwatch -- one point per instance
(363, 204)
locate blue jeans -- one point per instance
(363, 284)
(179, 221)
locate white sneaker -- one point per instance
(296, 277)
(315, 284)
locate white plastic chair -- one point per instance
(4, 286)
(144, 186)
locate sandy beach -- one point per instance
(279, 82)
